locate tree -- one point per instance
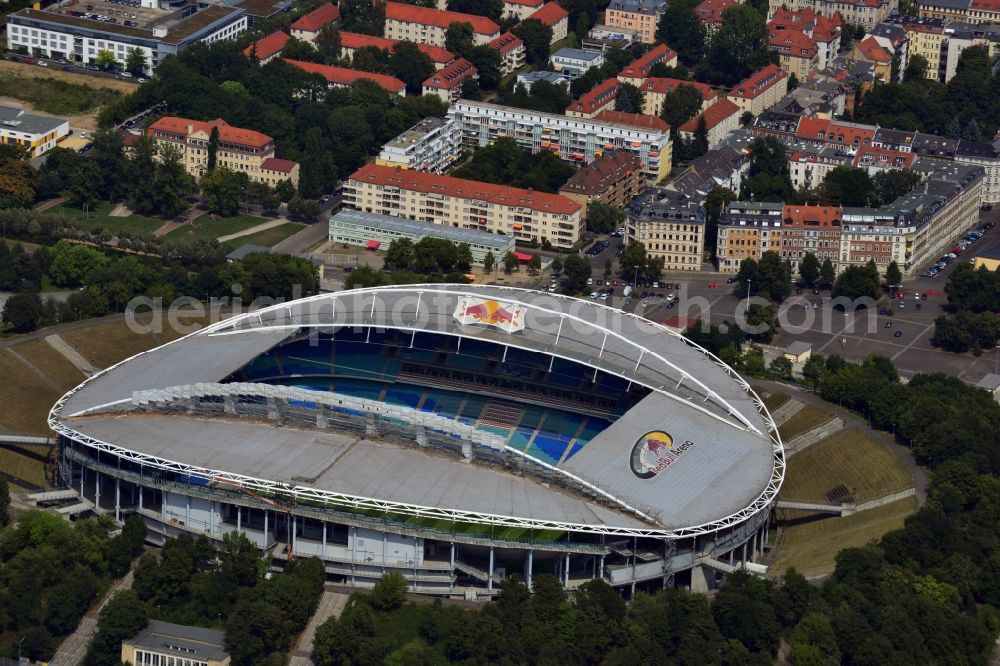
(459, 38)
(814, 369)
(389, 592)
(471, 90)
(717, 198)
(629, 100)
(857, 282)
(363, 276)
(680, 28)
(632, 261)
(487, 63)
(781, 367)
(121, 618)
(328, 43)
(770, 277)
(285, 191)
(489, 262)
(680, 105)
(490, 8)
(240, 560)
(738, 47)
(18, 180)
(577, 270)
(827, 274)
(809, 268)
(400, 255)
(893, 276)
(411, 66)
(536, 37)
(761, 321)
(846, 186)
(603, 218)
(213, 148)
(223, 190)
(768, 178)
(105, 59)
(305, 209)
(173, 183)
(557, 265)
(892, 184)
(135, 62)
(535, 263)
(509, 263)
(363, 16)
(4, 501)
(916, 68)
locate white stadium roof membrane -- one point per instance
(731, 468)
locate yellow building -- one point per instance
(240, 150)
(761, 90)
(167, 644)
(797, 53)
(669, 225)
(35, 134)
(747, 229)
(641, 15)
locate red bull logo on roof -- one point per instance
(654, 452)
(507, 317)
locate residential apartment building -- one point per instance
(521, 9)
(512, 52)
(655, 90)
(987, 157)
(797, 53)
(634, 120)
(376, 231)
(162, 643)
(709, 12)
(576, 140)
(528, 79)
(555, 17)
(307, 26)
(447, 83)
(342, 77)
(36, 135)
(240, 150)
(961, 36)
(864, 13)
(571, 63)
(670, 225)
(615, 178)
(804, 40)
(639, 69)
(267, 48)
(875, 160)
(720, 118)
(870, 51)
(808, 168)
(760, 90)
(78, 39)
(432, 145)
(941, 41)
(526, 215)
(970, 11)
(810, 230)
(425, 25)
(603, 37)
(747, 229)
(598, 99)
(352, 41)
(641, 15)
(895, 39)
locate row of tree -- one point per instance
(974, 295)
(505, 162)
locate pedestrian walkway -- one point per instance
(331, 604)
(72, 355)
(179, 221)
(264, 226)
(73, 649)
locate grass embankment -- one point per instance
(54, 96)
(803, 421)
(774, 400)
(35, 376)
(270, 237)
(205, 228)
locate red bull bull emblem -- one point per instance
(654, 452)
(508, 317)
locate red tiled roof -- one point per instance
(602, 173)
(884, 157)
(353, 40)
(227, 133)
(662, 86)
(758, 82)
(633, 119)
(129, 139)
(506, 43)
(858, 135)
(825, 216)
(345, 77)
(267, 46)
(812, 128)
(501, 195)
(550, 14)
(639, 69)
(709, 12)
(452, 75)
(793, 43)
(874, 51)
(525, 3)
(713, 115)
(986, 5)
(275, 164)
(397, 11)
(600, 95)
(317, 18)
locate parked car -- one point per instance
(42, 63)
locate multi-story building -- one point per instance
(720, 118)
(375, 231)
(598, 99)
(926, 38)
(571, 63)
(634, 119)
(641, 15)
(425, 25)
(987, 157)
(576, 140)
(555, 17)
(961, 36)
(447, 83)
(875, 160)
(526, 215)
(342, 77)
(798, 54)
(747, 229)
(709, 12)
(761, 90)
(810, 230)
(639, 69)
(970, 11)
(603, 37)
(821, 131)
(823, 33)
(36, 135)
(240, 150)
(161, 643)
(870, 51)
(432, 145)
(864, 13)
(808, 168)
(307, 26)
(352, 41)
(521, 9)
(670, 225)
(615, 178)
(655, 90)
(79, 39)
(895, 39)
(267, 48)
(512, 52)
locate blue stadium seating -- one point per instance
(402, 396)
(549, 449)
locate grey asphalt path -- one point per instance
(331, 604)
(73, 649)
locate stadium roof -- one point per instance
(731, 466)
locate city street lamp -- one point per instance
(748, 295)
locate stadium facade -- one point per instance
(455, 434)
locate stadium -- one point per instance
(455, 434)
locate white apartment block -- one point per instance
(432, 145)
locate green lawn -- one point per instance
(270, 237)
(206, 228)
(803, 421)
(99, 217)
(55, 96)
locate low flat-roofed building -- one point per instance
(307, 26)
(377, 231)
(798, 351)
(670, 225)
(988, 259)
(342, 77)
(574, 62)
(528, 79)
(33, 133)
(431, 145)
(165, 643)
(615, 178)
(603, 37)
(526, 215)
(991, 383)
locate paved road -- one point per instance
(331, 604)
(301, 242)
(73, 649)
